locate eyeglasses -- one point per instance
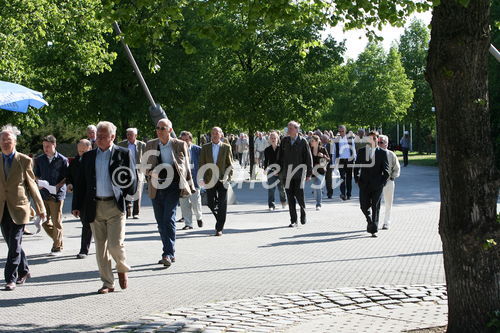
(380, 141)
(162, 128)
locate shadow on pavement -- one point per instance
(289, 264)
(36, 327)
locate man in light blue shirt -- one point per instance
(104, 187)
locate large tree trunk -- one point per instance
(457, 73)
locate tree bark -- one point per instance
(457, 72)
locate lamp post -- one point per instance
(155, 110)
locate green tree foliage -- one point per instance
(371, 90)
(51, 46)
(413, 46)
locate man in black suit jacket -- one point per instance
(108, 176)
(296, 168)
(371, 173)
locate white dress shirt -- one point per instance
(215, 151)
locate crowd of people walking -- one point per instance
(107, 181)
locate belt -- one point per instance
(104, 198)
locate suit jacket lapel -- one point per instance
(3, 181)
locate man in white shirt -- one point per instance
(260, 146)
(388, 193)
(344, 151)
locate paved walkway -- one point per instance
(258, 255)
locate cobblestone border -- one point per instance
(276, 313)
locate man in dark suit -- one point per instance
(136, 148)
(17, 181)
(217, 176)
(108, 176)
(83, 146)
(296, 168)
(371, 173)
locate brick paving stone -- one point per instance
(390, 301)
(367, 305)
(411, 300)
(361, 300)
(327, 305)
(344, 302)
(350, 307)
(379, 298)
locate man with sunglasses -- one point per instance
(169, 177)
(394, 168)
(371, 173)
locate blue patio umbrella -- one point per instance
(15, 97)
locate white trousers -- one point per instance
(388, 200)
(191, 205)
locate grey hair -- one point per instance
(109, 126)
(294, 124)
(343, 127)
(165, 120)
(132, 129)
(384, 138)
(91, 128)
(12, 130)
(85, 142)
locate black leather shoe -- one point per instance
(200, 223)
(187, 228)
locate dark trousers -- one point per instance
(240, 158)
(295, 194)
(217, 202)
(405, 156)
(164, 207)
(346, 175)
(86, 238)
(369, 199)
(329, 181)
(270, 191)
(16, 264)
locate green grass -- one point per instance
(419, 159)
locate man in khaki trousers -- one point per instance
(52, 168)
(108, 177)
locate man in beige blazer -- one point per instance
(216, 166)
(136, 148)
(17, 182)
(169, 176)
